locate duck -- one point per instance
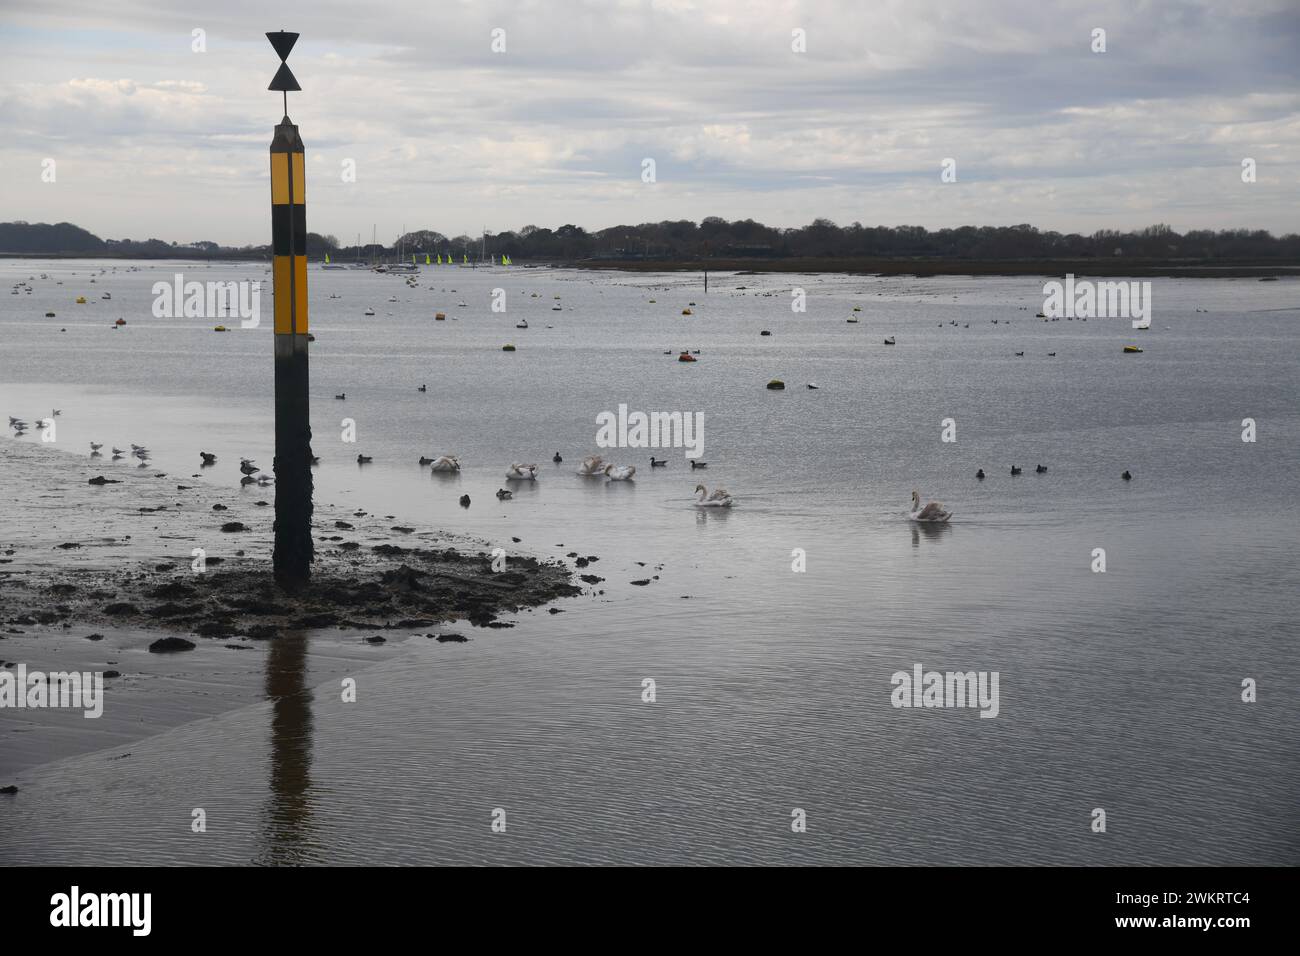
(591, 465)
(364, 459)
(464, 501)
(1015, 470)
(658, 462)
(447, 463)
(1126, 476)
(556, 458)
(520, 472)
(425, 460)
(521, 324)
(698, 464)
(1040, 470)
(933, 512)
(1020, 354)
(620, 472)
(341, 396)
(504, 495)
(980, 474)
(889, 341)
(423, 388)
(719, 498)
(208, 458)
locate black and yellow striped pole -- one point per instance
(293, 482)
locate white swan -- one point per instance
(522, 472)
(720, 498)
(620, 472)
(446, 463)
(933, 512)
(592, 465)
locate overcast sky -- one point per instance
(152, 139)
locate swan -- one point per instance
(620, 472)
(447, 463)
(718, 499)
(591, 465)
(933, 512)
(522, 472)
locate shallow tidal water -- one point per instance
(1118, 690)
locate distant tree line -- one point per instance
(711, 238)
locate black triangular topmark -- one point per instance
(283, 43)
(284, 80)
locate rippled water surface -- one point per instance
(1118, 690)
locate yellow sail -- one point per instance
(426, 258)
(464, 258)
(327, 258)
(413, 262)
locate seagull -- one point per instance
(96, 446)
(247, 467)
(56, 412)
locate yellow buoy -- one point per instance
(81, 300)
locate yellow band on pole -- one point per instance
(289, 230)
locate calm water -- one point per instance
(1117, 690)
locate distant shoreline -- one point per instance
(1202, 269)
(918, 267)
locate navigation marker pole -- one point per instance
(294, 550)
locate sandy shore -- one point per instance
(93, 576)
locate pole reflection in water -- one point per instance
(286, 822)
